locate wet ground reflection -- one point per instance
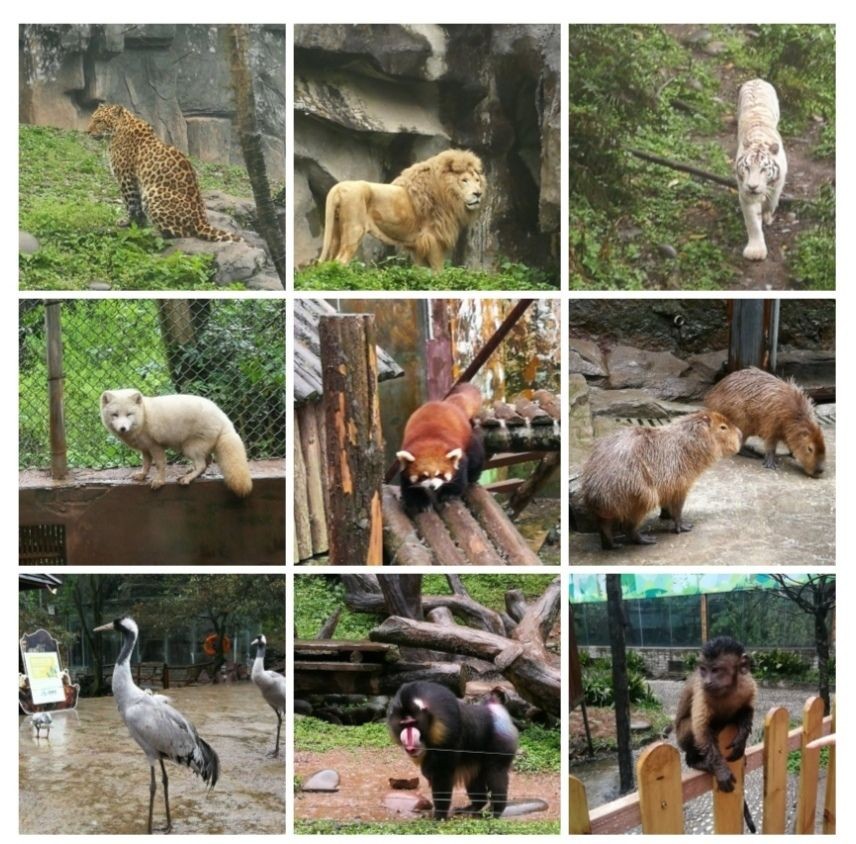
(91, 777)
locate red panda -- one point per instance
(441, 453)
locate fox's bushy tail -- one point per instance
(232, 460)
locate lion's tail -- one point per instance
(331, 226)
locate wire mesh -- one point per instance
(229, 351)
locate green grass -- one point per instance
(455, 826)
(398, 274)
(70, 201)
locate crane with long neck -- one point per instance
(271, 684)
(160, 730)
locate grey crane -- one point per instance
(271, 685)
(161, 730)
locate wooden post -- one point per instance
(310, 445)
(661, 801)
(775, 771)
(829, 801)
(753, 325)
(302, 521)
(354, 439)
(809, 767)
(53, 330)
(728, 805)
(579, 812)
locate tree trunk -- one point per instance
(616, 620)
(522, 664)
(354, 439)
(402, 594)
(251, 147)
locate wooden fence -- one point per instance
(658, 804)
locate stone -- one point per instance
(209, 138)
(631, 367)
(514, 808)
(234, 261)
(708, 364)
(634, 404)
(27, 244)
(168, 74)
(100, 285)
(265, 281)
(586, 358)
(326, 780)
(582, 436)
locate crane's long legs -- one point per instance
(152, 788)
(275, 752)
(165, 796)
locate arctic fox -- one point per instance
(190, 424)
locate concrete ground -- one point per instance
(743, 514)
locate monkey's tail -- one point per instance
(747, 816)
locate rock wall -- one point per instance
(372, 99)
(175, 76)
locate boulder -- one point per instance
(631, 367)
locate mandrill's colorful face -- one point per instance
(431, 471)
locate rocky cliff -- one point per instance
(370, 100)
(175, 76)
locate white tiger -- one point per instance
(761, 165)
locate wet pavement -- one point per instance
(90, 776)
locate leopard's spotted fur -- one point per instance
(157, 181)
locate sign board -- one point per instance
(45, 677)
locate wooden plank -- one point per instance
(579, 823)
(56, 379)
(829, 801)
(728, 805)
(661, 805)
(464, 529)
(775, 756)
(302, 525)
(809, 767)
(401, 543)
(499, 528)
(310, 445)
(332, 646)
(433, 531)
(623, 814)
(335, 667)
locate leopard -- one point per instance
(157, 180)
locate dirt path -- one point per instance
(806, 175)
(365, 782)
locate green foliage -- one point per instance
(814, 261)
(236, 358)
(455, 826)
(777, 663)
(397, 274)
(539, 750)
(638, 87)
(795, 760)
(312, 735)
(538, 753)
(316, 598)
(71, 203)
(597, 679)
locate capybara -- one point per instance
(765, 406)
(634, 470)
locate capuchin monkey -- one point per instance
(721, 691)
(453, 741)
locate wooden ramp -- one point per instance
(472, 531)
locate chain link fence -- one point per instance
(229, 351)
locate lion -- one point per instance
(424, 210)
(761, 165)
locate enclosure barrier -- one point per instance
(658, 804)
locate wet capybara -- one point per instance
(762, 405)
(635, 470)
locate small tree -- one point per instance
(814, 595)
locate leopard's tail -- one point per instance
(205, 231)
